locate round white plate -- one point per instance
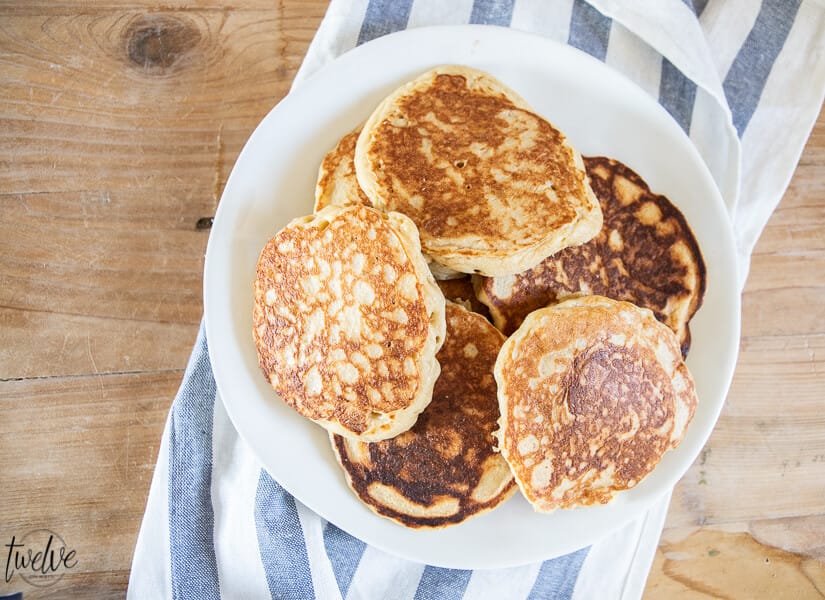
(273, 182)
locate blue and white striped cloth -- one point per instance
(745, 79)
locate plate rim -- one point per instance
(354, 55)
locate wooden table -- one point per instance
(119, 124)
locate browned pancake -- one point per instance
(348, 320)
(443, 470)
(492, 186)
(337, 184)
(592, 393)
(336, 177)
(645, 254)
(461, 292)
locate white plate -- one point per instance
(273, 182)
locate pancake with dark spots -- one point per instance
(443, 470)
(592, 393)
(645, 254)
(493, 187)
(348, 320)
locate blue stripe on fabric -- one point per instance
(194, 571)
(746, 78)
(557, 577)
(437, 583)
(677, 94)
(383, 17)
(281, 541)
(589, 29)
(344, 552)
(492, 12)
(697, 6)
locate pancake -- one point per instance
(493, 187)
(592, 393)
(336, 177)
(443, 470)
(645, 254)
(348, 320)
(338, 185)
(461, 292)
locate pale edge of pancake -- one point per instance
(671, 361)
(585, 227)
(341, 192)
(441, 272)
(428, 367)
(499, 488)
(481, 295)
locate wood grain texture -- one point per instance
(716, 564)
(119, 124)
(78, 457)
(51, 344)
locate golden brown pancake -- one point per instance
(592, 393)
(493, 187)
(348, 320)
(338, 185)
(645, 254)
(336, 177)
(443, 470)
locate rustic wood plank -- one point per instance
(114, 152)
(148, 99)
(737, 476)
(785, 268)
(767, 312)
(97, 585)
(122, 210)
(795, 222)
(815, 149)
(765, 438)
(120, 124)
(78, 457)
(769, 434)
(72, 7)
(716, 564)
(47, 344)
(142, 275)
(799, 535)
(788, 266)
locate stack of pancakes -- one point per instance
(455, 216)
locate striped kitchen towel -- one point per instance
(744, 79)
